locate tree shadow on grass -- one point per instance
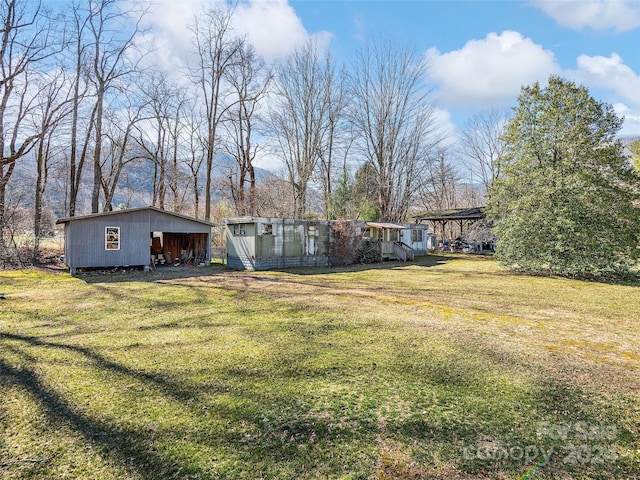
(134, 449)
(173, 389)
(169, 273)
(163, 273)
(120, 443)
(275, 428)
(250, 439)
(427, 261)
(553, 410)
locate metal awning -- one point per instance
(387, 226)
(475, 213)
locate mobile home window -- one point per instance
(312, 230)
(416, 235)
(112, 238)
(239, 228)
(267, 229)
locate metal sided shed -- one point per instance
(260, 243)
(129, 238)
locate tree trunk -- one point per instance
(252, 190)
(300, 200)
(196, 196)
(41, 180)
(97, 164)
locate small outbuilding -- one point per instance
(137, 237)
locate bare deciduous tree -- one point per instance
(80, 139)
(27, 38)
(216, 51)
(54, 104)
(250, 80)
(393, 113)
(439, 185)
(158, 136)
(119, 152)
(195, 147)
(337, 139)
(482, 146)
(273, 198)
(301, 117)
(112, 37)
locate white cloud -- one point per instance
(274, 28)
(620, 15)
(631, 124)
(609, 79)
(611, 74)
(359, 27)
(488, 72)
(268, 161)
(271, 25)
(167, 32)
(444, 126)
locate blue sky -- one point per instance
(480, 52)
(596, 44)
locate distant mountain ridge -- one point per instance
(135, 185)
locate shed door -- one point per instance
(311, 239)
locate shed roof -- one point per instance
(475, 213)
(130, 210)
(250, 219)
(387, 226)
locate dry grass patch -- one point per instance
(440, 369)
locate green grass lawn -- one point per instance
(446, 368)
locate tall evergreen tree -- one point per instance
(567, 202)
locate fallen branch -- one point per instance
(26, 460)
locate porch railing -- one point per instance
(403, 251)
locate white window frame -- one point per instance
(112, 238)
(267, 229)
(239, 229)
